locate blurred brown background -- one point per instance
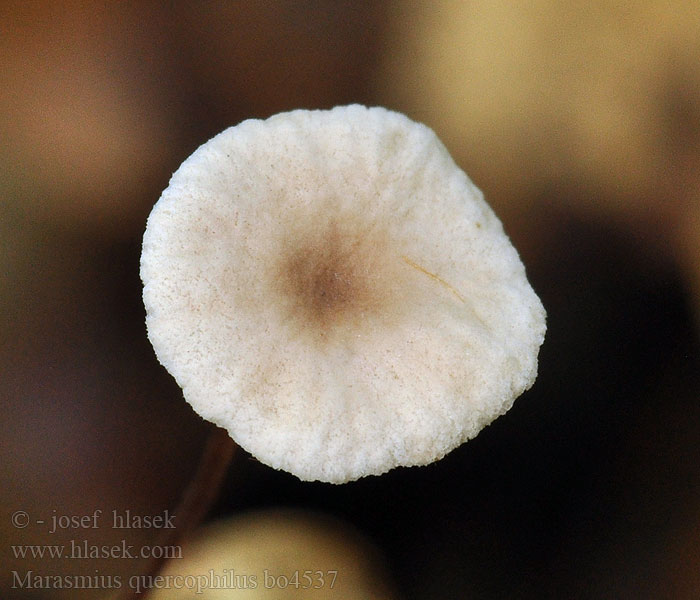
(581, 123)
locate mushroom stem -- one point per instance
(196, 500)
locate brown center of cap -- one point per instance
(338, 279)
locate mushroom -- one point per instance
(330, 288)
(272, 555)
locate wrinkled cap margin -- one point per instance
(333, 290)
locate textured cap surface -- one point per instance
(333, 290)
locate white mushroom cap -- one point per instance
(333, 290)
(229, 559)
